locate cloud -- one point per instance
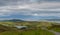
(30, 7)
(34, 6)
(46, 14)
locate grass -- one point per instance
(9, 33)
(38, 32)
(29, 32)
(56, 29)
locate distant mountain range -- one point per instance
(19, 20)
(51, 19)
(13, 20)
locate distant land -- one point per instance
(13, 20)
(51, 19)
(20, 20)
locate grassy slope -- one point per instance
(29, 32)
(56, 29)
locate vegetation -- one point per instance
(34, 28)
(55, 27)
(28, 32)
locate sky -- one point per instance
(29, 9)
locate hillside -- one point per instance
(6, 28)
(49, 20)
(13, 20)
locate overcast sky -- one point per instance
(30, 9)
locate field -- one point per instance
(56, 29)
(29, 32)
(34, 28)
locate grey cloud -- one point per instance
(16, 2)
(26, 8)
(8, 2)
